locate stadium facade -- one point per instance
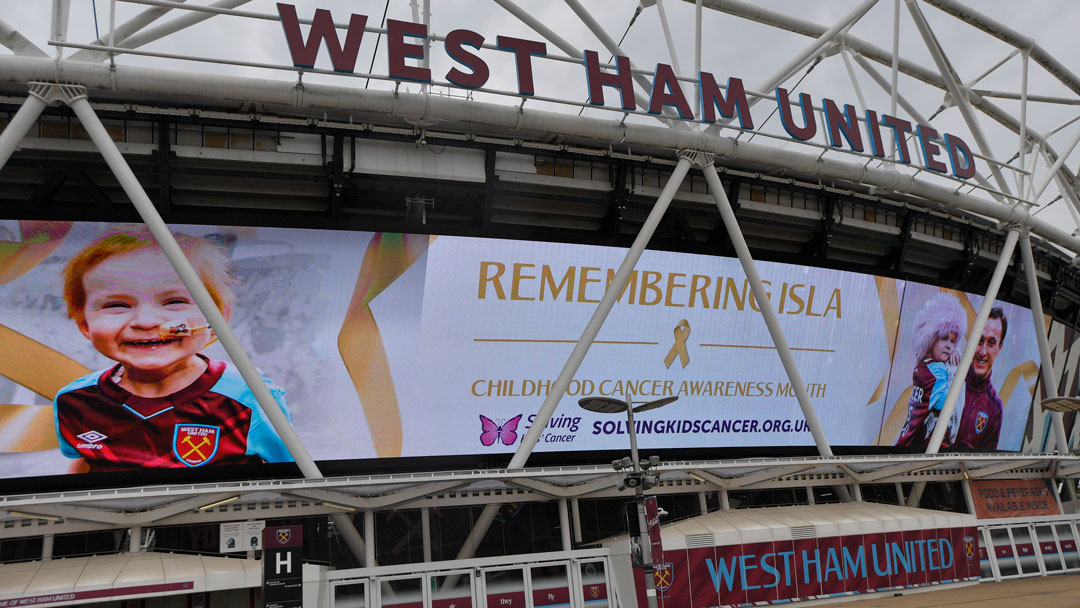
(437, 261)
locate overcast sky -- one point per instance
(731, 47)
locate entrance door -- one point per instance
(1023, 536)
(1001, 547)
(401, 592)
(551, 585)
(505, 588)
(1049, 548)
(1066, 535)
(452, 589)
(592, 583)
(350, 594)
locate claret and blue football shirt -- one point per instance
(214, 420)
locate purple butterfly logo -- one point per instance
(505, 432)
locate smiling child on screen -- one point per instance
(164, 404)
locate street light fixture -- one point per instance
(635, 477)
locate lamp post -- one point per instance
(636, 478)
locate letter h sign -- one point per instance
(283, 567)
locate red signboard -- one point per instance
(780, 571)
(96, 594)
(551, 597)
(510, 599)
(1013, 498)
(652, 517)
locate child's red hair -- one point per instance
(209, 260)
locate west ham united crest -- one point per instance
(662, 575)
(283, 536)
(980, 421)
(195, 444)
(969, 548)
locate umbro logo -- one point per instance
(92, 436)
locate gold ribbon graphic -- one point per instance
(387, 257)
(28, 428)
(890, 317)
(39, 240)
(682, 332)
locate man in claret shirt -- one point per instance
(164, 404)
(980, 420)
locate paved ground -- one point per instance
(1040, 592)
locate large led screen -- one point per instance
(383, 345)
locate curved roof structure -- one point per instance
(155, 62)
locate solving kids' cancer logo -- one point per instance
(492, 431)
(195, 444)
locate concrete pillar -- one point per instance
(369, 539)
(575, 512)
(425, 530)
(564, 525)
(135, 539)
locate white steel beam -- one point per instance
(1060, 162)
(716, 189)
(987, 471)
(614, 288)
(1023, 145)
(697, 56)
(61, 10)
(973, 340)
(745, 482)
(123, 31)
(22, 122)
(562, 382)
(990, 70)
(912, 111)
(17, 43)
(894, 86)
(787, 22)
(1012, 37)
(1065, 101)
(955, 92)
(892, 471)
(149, 35)
(1050, 383)
(804, 57)
(667, 36)
(613, 47)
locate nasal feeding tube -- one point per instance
(180, 330)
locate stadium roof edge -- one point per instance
(319, 101)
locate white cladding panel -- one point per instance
(777, 523)
(430, 162)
